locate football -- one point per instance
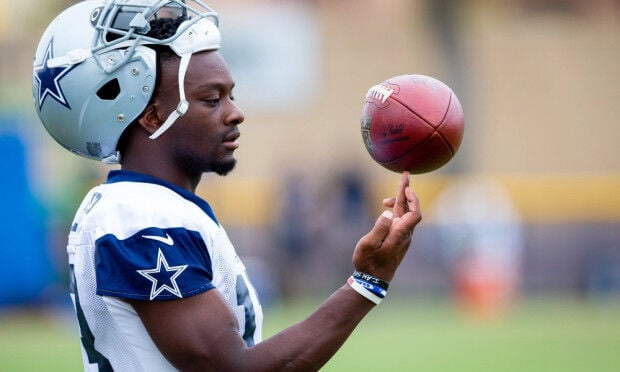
(412, 123)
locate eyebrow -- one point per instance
(216, 85)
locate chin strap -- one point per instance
(183, 104)
(197, 36)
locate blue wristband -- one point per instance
(362, 290)
(377, 290)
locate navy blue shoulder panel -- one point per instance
(153, 264)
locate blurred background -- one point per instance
(516, 264)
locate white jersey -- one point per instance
(138, 237)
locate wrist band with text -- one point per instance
(371, 279)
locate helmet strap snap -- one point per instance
(183, 104)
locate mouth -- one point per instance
(231, 141)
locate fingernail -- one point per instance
(387, 214)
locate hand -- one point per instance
(381, 251)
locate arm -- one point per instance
(204, 334)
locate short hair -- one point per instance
(163, 28)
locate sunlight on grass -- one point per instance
(559, 335)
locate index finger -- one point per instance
(401, 206)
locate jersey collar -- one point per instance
(129, 176)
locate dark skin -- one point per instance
(200, 332)
(195, 144)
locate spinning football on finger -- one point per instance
(412, 123)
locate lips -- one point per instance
(232, 137)
(230, 140)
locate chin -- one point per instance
(224, 167)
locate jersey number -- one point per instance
(243, 299)
(87, 337)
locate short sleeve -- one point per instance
(153, 264)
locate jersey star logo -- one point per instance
(163, 277)
(49, 78)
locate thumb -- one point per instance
(378, 233)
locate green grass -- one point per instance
(32, 341)
(559, 335)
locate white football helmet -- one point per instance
(94, 72)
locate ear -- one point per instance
(150, 119)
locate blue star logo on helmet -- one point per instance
(49, 78)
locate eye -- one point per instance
(212, 101)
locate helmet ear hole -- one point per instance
(109, 90)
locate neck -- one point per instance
(168, 174)
(142, 155)
(152, 157)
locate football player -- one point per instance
(155, 281)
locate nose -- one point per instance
(236, 116)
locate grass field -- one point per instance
(560, 335)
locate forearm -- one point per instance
(206, 338)
(308, 345)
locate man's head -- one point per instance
(95, 68)
(202, 140)
(204, 137)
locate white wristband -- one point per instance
(363, 291)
